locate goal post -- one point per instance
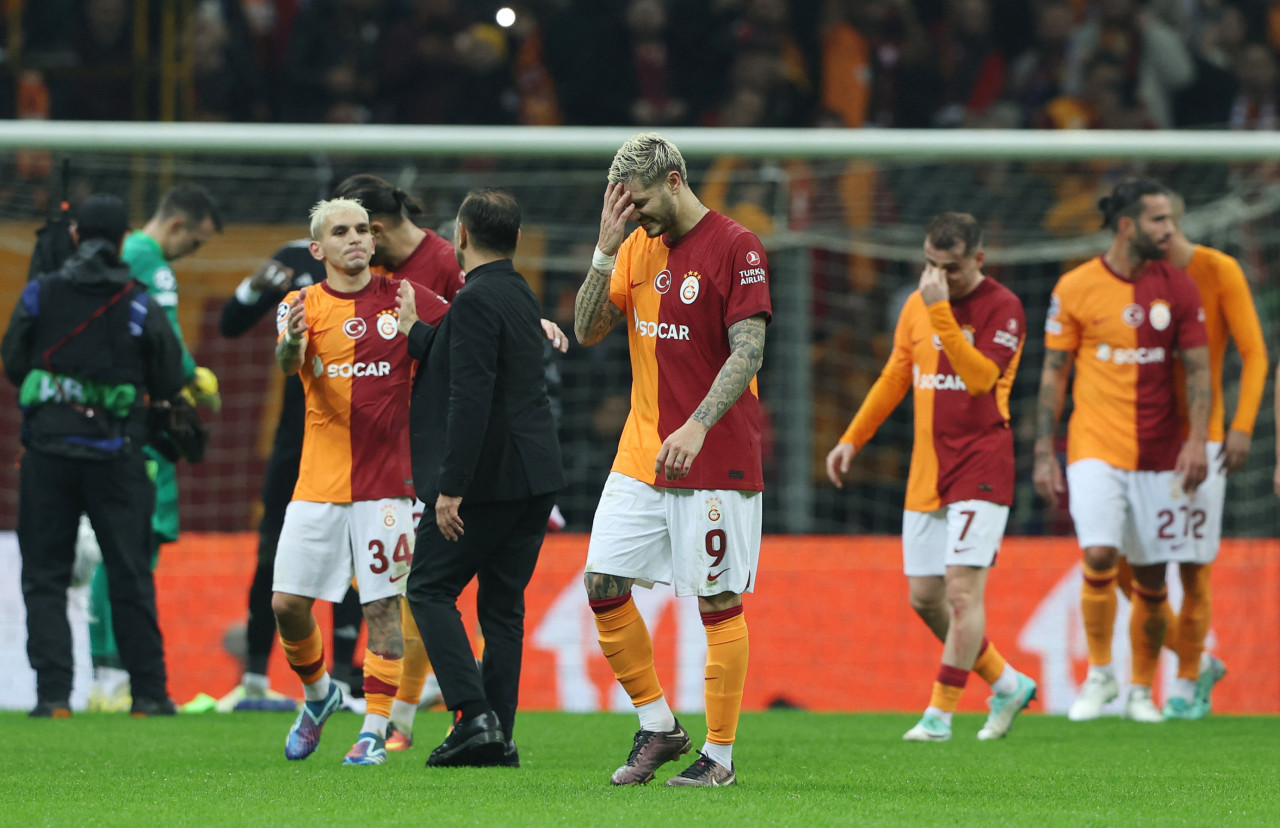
(841, 214)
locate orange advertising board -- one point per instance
(830, 626)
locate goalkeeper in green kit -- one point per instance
(186, 218)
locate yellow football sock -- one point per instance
(1146, 632)
(1098, 604)
(1193, 619)
(728, 648)
(948, 687)
(990, 663)
(625, 642)
(381, 677)
(306, 657)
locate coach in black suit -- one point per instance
(485, 453)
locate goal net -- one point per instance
(842, 227)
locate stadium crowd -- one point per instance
(1097, 64)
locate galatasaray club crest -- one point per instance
(1160, 315)
(689, 287)
(388, 515)
(713, 508)
(387, 324)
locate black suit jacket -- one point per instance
(480, 424)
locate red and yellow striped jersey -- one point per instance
(1125, 335)
(679, 301)
(963, 447)
(356, 373)
(1229, 313)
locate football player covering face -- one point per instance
(654, 207)
(949, 273)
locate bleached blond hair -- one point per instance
(321, 212)
(647, 157)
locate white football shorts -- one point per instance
(323, 544)
(964, 533)
(1208, 500)
(701, 541)
(1144, 514)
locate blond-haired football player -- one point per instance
(682, 504)
(351, 512)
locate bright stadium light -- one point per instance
(506, 17)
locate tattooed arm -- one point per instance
(746, 354)
(1192, 464)
(1048, 478)
(593, 314)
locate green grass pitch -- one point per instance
(794, 768)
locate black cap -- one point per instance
(102, 216)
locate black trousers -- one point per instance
(500, 549)
(118, 497)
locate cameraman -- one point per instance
(86, 347)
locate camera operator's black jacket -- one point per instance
(87, 346)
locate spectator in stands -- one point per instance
(652, 69)
(1105, 100)
(577, 36)
(333, 53)
(420, 68)
(1254, 106)
(487, 94)
(270, 23)
(1206, 101)
(101, 88)
(539, 100)
(767, 57)
(1153, 56)
(972, 68)
(845, 72)
(899, 66)
(229, 85)
(1036, 76)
